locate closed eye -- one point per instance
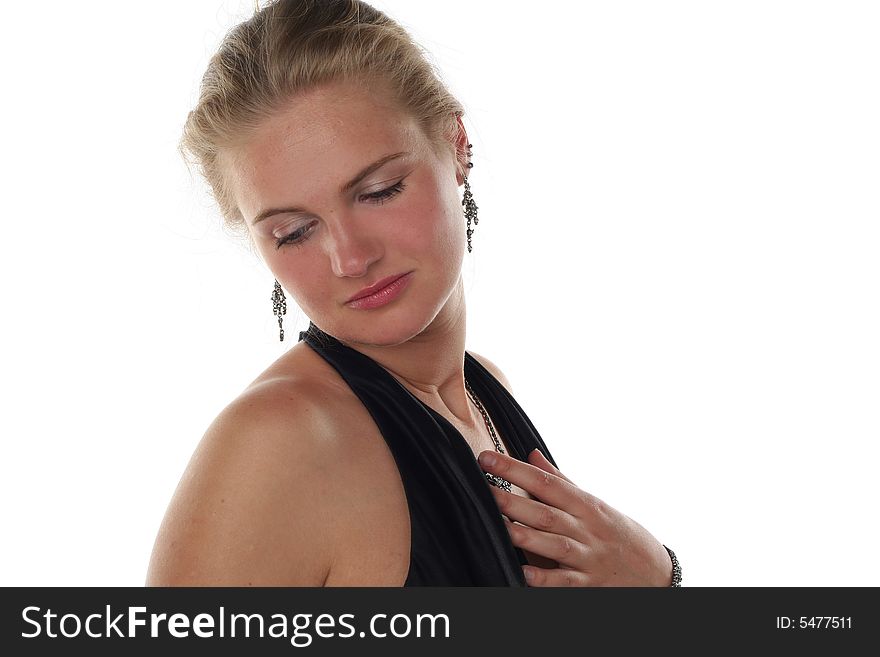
(385, 194)
(301, 234)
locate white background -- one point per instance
(676, 266)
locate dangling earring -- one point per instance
(279, 307)
(470, 208)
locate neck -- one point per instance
(431, 364)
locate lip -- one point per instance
(381, 292)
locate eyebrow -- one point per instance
(363, 173)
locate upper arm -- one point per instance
(494, 370)
(251, 507)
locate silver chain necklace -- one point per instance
(495, 480)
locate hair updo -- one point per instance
(292, 46)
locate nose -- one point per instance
(352, 252)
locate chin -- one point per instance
(376, 329)
(391, 325)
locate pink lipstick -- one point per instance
(380, 293)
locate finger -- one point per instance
(555, 577)
(536, 457)
(564, 550)
(536, 514)
(544, 485)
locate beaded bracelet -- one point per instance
(676, 569)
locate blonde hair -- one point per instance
(291, 46)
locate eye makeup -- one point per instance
(300, 235)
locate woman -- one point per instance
(352, 460)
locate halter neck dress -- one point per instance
(458, 537)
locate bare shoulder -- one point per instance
(254, 506)
(494, 370)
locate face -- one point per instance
(326, 233)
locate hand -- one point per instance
(592, 543)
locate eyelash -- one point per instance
(378, 198)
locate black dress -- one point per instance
(458, 534)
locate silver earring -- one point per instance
(470, 208)
(279, 307)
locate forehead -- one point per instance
(318, 140)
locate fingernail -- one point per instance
(487, 459)
(529, 573)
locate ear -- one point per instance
(461, 151)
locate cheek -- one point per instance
(310, 277)
(297, 273)
(430, 224)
